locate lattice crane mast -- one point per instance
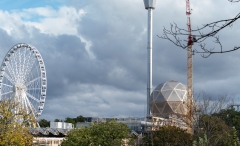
(189, 53)
(189, 63)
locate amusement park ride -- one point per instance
(23, 79)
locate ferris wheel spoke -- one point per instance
(30, 63)
(24, 60)
(32, 81)
(34, 98)
(31, 106)
(26, 63)
(7, 85)
(6, 93)
(32, 109)
(34, 89)
(7, 76)
(19, 63)
(26, 102)
(10, 70)
(27, 105)
(15, 66)
(29, 71)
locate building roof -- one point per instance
(49, 132)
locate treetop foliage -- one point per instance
(107, 133)
(15, 124)
(169, 136)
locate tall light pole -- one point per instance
(149, 5)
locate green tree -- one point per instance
(231, 139)
(80, 119)
(77, 137)
(168, 136)
(213, 129)
(201, 141)
(15, 124)
(70, 120)
(44, 123)
(107, 133)
(57, 120)
(231, 117)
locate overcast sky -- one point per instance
(95, 51)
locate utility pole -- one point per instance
(149, 5)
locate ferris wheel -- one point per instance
(23, 78)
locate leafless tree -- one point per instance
(204, 104)
(233, 1)
(199, 36)
(204, 122)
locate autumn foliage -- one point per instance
(14, 125)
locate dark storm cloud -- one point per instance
(64, 58)
(113, 83)
(119, 44)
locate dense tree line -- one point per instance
(211, 131)
(215, 124)
(231, 117)
(168, 136)
(45, 123)
(107, 133)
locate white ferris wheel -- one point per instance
(23, 78)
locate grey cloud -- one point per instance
(114, 84)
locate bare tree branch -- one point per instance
(234, 1)
(198, 36)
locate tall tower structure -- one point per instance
(189, 67)
(189, 53)
(149, 5)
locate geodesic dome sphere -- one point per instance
(168, 98)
